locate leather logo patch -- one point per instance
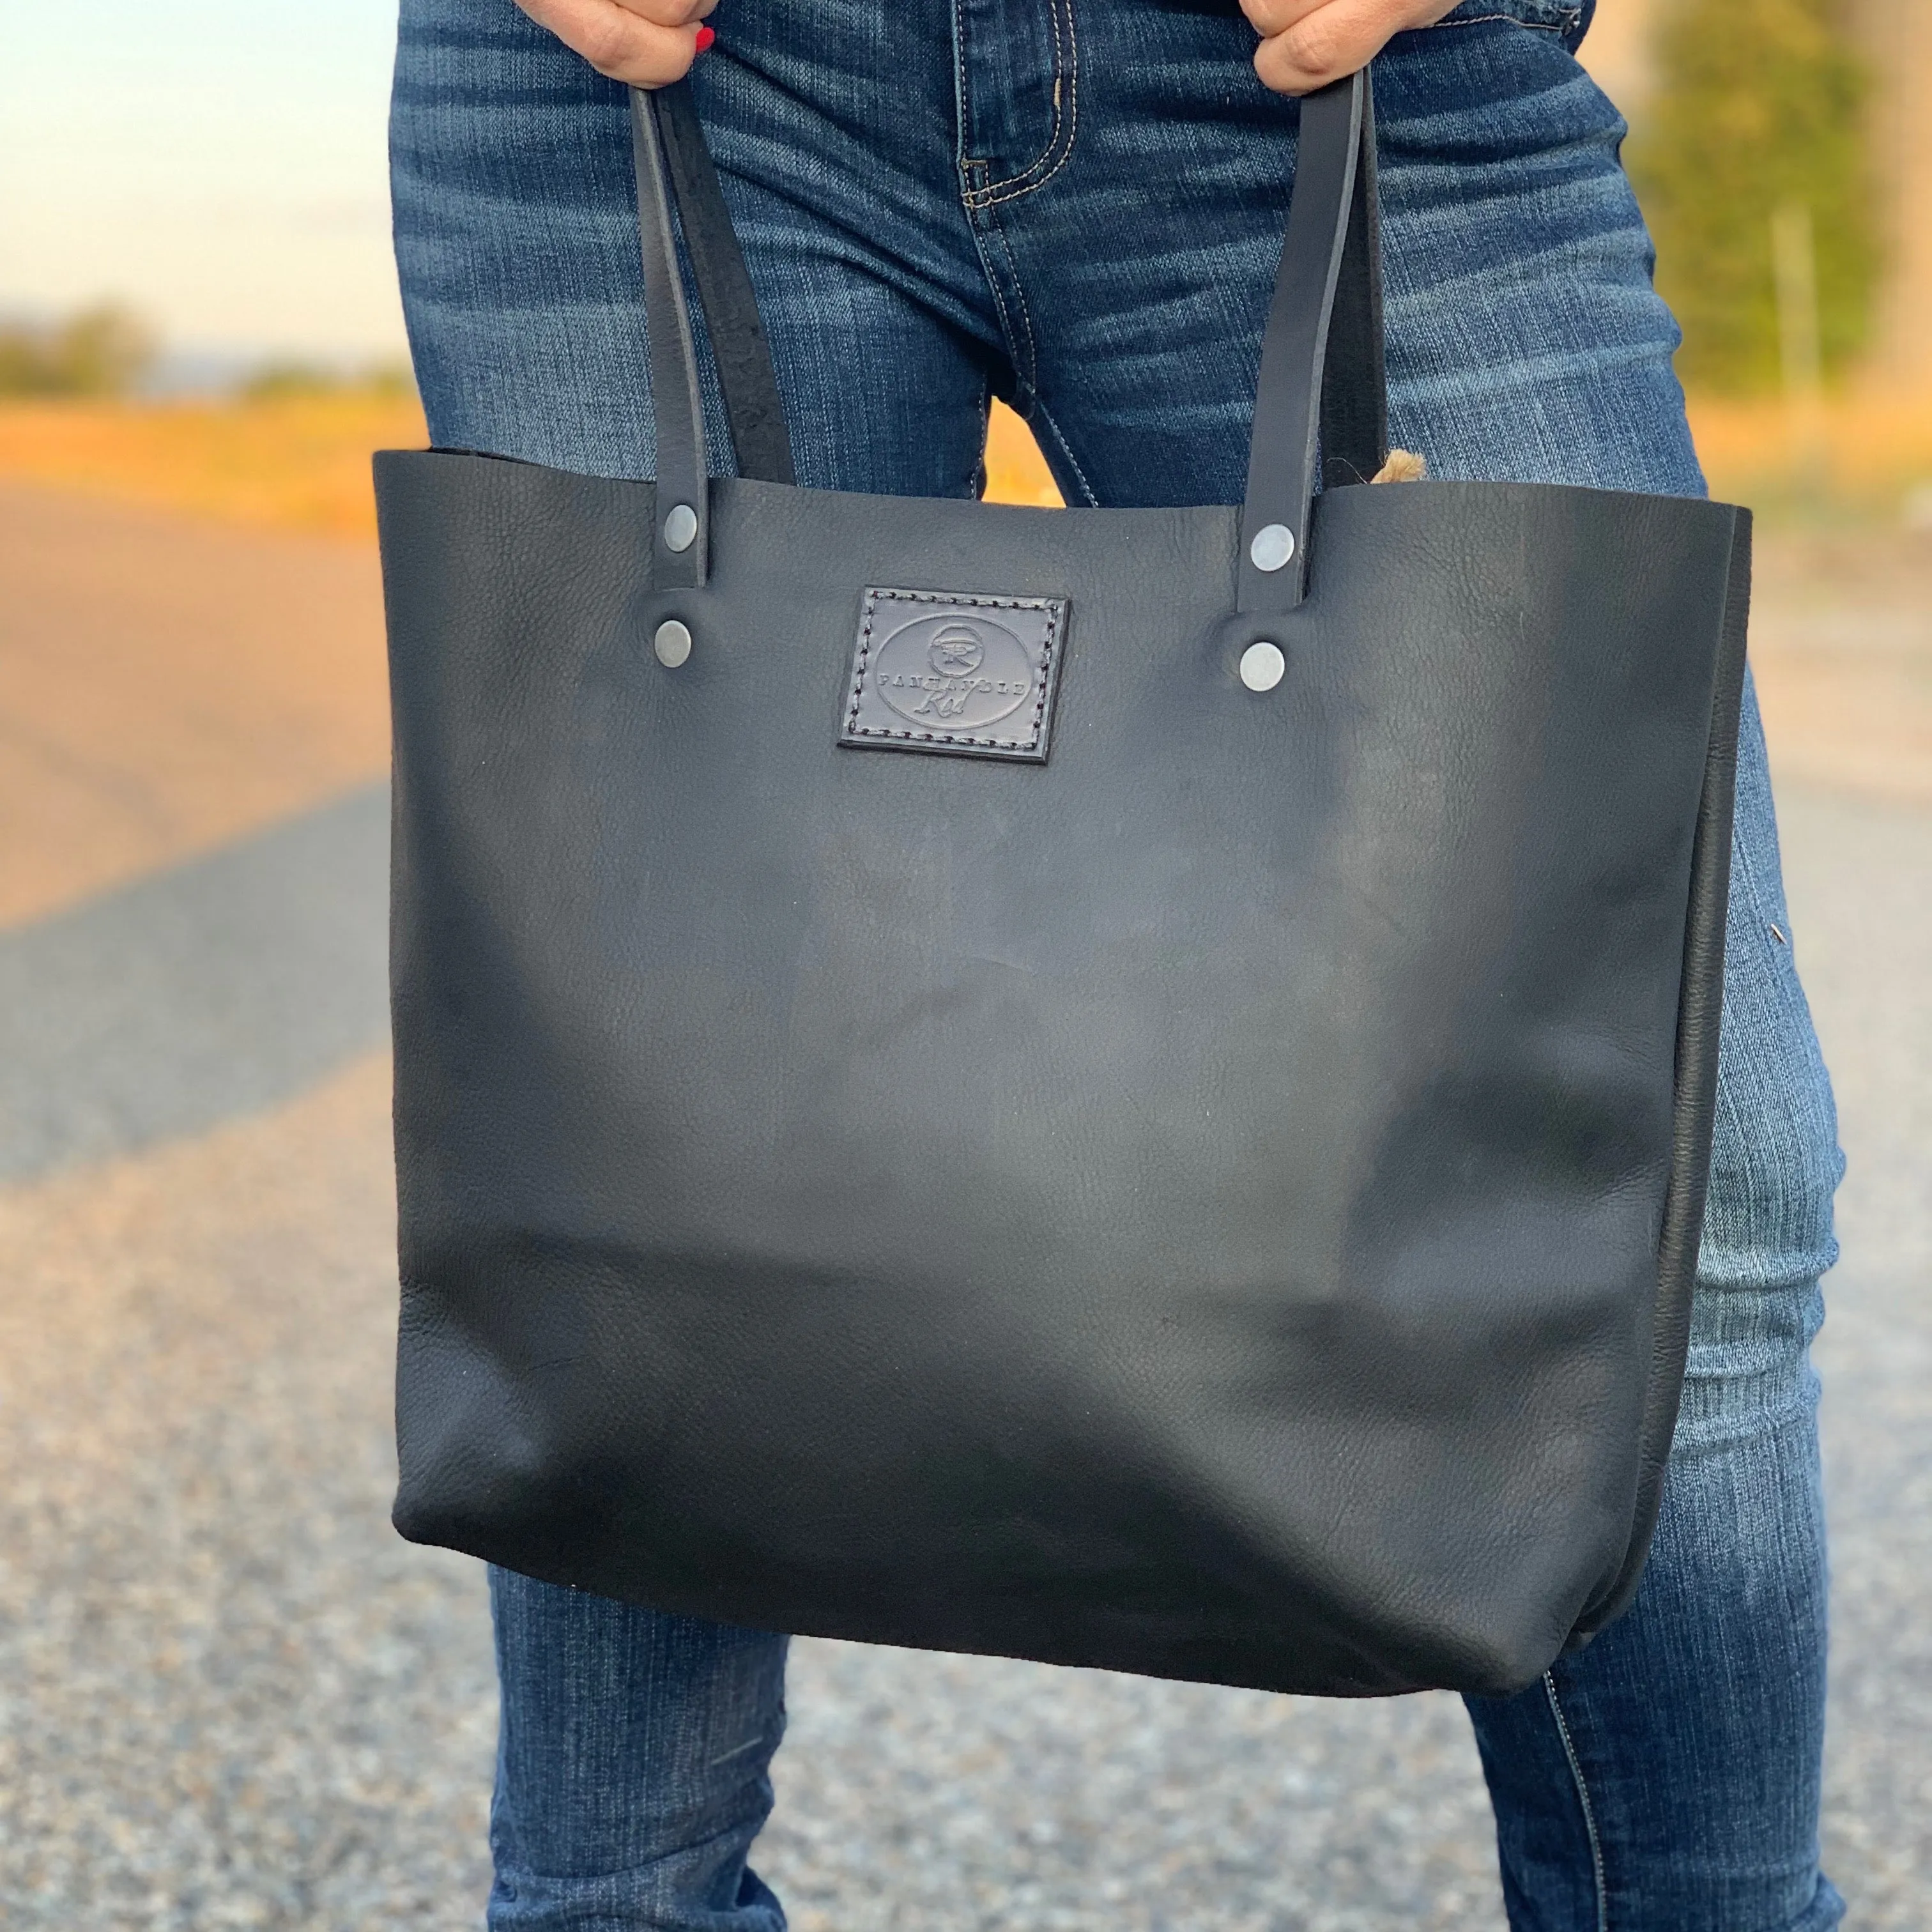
(934, 671)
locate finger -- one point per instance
(669, 13)
(1269, 17)
(1334, 39)
(618, 41)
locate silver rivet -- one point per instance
(672, 644)
(1273, 546)
(1263, 667)
(680, 527)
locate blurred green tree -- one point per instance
(1757, 107)
(104, 350)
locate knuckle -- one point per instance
(624, 49)
(1316, 47)
(605, 40)
(1277, 73)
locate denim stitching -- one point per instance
(970, 196)
(1046, 415)
(1583, 1798)
(1567, 25)
(1066, 115)
(1000, 301)
(991, 193)
(987, 235)
(959, 96)
(985, 427)
(1049, 671)
(1031, 378)
(1030, 390)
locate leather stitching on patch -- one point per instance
(971, 649)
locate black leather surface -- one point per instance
(1700, 1016)
(677, 406)
(1216, 1204)
(1354, 386)
(753, 408)
(1292, 384)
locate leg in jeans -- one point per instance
(1096, 238)
(1668, 1778)
(631, 1766)
(632, 1775)
(1669, 1775)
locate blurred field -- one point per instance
(292, 463)
(148, 711)
(1016, 472)
(1842, 636)
(297, 463)
(302, 463)
(1864, 455)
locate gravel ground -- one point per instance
(229, 1696)
(1860, 879)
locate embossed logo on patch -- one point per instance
(934, 671)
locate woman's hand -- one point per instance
(647, 43)
(1306, 44)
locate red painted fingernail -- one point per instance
(705, 37)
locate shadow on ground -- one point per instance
(215, 988)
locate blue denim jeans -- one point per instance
(1077, 204)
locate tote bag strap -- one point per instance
(752, 408)
(1354, 388)
(1309, 398)
(1330, 270)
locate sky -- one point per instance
(218, 164)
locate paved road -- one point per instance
(229, 1697)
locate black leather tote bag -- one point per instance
(1127, 1087)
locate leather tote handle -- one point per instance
(674, 168)
(1308, 401)
(681, 544)
(759, 438)
(1330, 270)
(1354, 388)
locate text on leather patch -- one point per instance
(945, 671)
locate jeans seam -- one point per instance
(1046, 415)
(1026, 308)
(986, 426)
(959, 102)
(1564, 26)
(1583, 1799)
(989, 235)
(1056, 153)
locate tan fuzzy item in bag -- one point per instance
(1403, 466)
